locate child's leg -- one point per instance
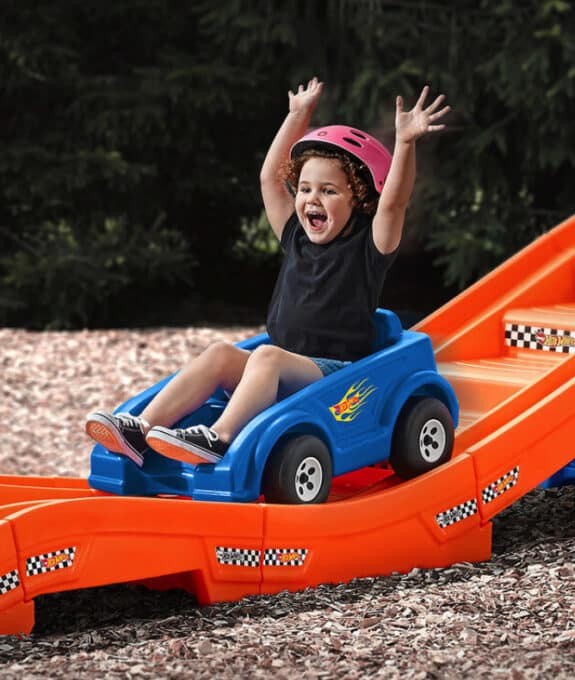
(267, 369)
(220, 365)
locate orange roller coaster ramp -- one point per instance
(507, 345)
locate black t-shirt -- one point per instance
(325, 295)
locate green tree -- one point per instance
(132, 135)
(503, 172)
(125, 161)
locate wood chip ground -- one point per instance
(512, 617)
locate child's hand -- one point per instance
(306, 97)
(410, 125)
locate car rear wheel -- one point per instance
(423, 437)
(298, 470)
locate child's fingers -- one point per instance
(422, 97)
(436, 102)
(399, 104)
(440, 113)
(313, 87)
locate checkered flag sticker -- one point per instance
(285, 557)
(9, 581)
(500, 485)
(238, 557)
(535, 337)
(457, 513)
(51, 561)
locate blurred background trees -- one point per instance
(132, 135)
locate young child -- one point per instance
(336, 200)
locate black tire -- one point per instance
(423, 437)
(299, 470)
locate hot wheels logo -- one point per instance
(506, 482)
(349, 407)
(288, 557)
(553, 340)
(53, 561)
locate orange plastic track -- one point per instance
(517, 395)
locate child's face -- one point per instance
(323, 201)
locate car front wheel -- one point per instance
(299, 470)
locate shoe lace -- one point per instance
(130, 421)
(209, 435)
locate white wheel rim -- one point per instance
(308, 479)
(432, 439)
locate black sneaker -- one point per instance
(193, 445)
(120, 433)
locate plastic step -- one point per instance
(561, 317)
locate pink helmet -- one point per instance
(358, 144)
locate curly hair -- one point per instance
(365, 197)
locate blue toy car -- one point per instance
(389, 406)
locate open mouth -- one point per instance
(317, 220)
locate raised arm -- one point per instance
(278, 202)
(409, 126)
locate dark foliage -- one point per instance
(132, 134)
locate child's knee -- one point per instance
(215, 356)
(219, 353)
(266, 357)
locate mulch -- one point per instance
(511, 617)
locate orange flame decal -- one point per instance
(349, 407)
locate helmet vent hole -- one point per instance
(358, 134)
(353, 142)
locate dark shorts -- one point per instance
(328, 366)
